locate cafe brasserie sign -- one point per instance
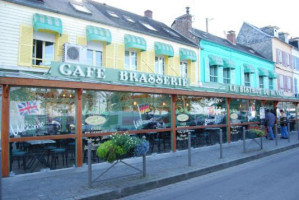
(85, 72)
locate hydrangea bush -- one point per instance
(122, 145)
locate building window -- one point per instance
(247, 79)
(184, 69)
(261, 81)
(281, 81)
(271, 83)
(94, 58)
(131, 60)
(159, 65)
(289, 86)
(213, 73)
(226, 75)
(43, 52)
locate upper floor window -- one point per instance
(289, 84)
(95, 54)
(226, 75)
(43, 48)
(131, 60)
(271, 86)
(159, 65)
(43, 52)
(184, 69)
(261, 81)
(247, 79)
(213, 73)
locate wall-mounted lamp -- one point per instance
(134, 103)
(163, 104)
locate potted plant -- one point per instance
(121, 146)
(254, 133)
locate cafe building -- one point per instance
(73, 71)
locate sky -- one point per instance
(223, 15)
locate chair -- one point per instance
(55, 156)
(18, 155)
(156, 139)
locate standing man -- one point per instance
(270, 120)
(283, 125)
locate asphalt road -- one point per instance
(271, 178)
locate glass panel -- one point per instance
(90, 57)
(133, 60)
(41, 111)
(242, 110)
(261, 81)
(213, 73)
(49, 53)
(226, 76)
(270, 83)
(159, 65)
(41, 155)
(183, 69)
(114, 111)
(196, 111)
(98, 58)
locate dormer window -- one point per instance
(112, 14)
(129, 19)
(147, 26)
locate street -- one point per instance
(275, 177)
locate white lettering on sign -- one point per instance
(257, 91)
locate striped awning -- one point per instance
(249, 68)
(215, 60)
(263, 72)
(164, 49)
(98, 34)
(229, 64)
(44, 22)
(272, 74)
(186, 54)
(135, 42)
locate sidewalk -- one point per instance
(162, 169)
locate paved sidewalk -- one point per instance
(162, 169)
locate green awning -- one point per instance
(98, 34)
(263, 72)
(249, 68)
(215, 60)
(164, 49)
(272, 74)
(229, 64)
(135, 42)
(44, 22)
(186, 54)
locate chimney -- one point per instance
(187, 10)
(231, 36)
(148, 13)
(284, 37)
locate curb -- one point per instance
(126, 191)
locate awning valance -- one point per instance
(249, 68)
(135, 42)
(44, 22)
(164, 49)
(272, 74)
(98, 34)
(215, 60)
(186, 54)
(229, 64)
(263, 72)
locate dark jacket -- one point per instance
(270, 119)
(283, 120)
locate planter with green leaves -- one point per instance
(121, 146)
(254, 133)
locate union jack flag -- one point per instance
(27, 107)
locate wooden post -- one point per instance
(79, 127)
(173, 125)
(5, 130)
(228, 100)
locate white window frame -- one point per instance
(229, 75)
(160, 65)
(214, 77)
(261, 83)
(184, 69)
(95, 47)
(130, 66)
(289, 84)
(271, 83)
(43, 37)
(247, 83)
(281, 82)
